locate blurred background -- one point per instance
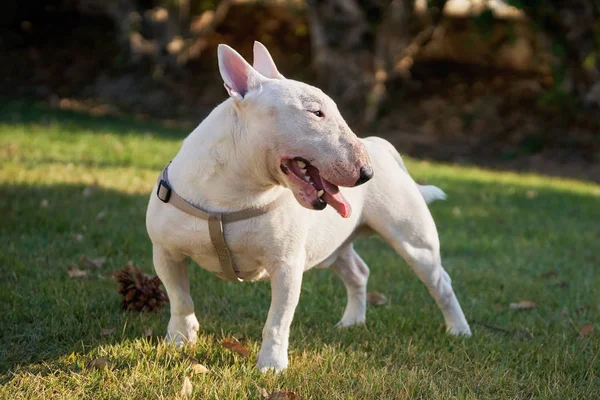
(512, 84)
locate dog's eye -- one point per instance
(318, 114)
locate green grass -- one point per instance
(500, 232)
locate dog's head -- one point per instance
(309, 147)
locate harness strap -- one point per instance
(217, 237)
(215, 221)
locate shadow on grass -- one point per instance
(497, 241)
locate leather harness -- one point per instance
(215, 221)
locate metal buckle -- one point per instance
(167, 191)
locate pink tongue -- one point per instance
(335, 199)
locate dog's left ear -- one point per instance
(238, 76)
(263, 62)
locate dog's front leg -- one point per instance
(286, 282)
(173, 272)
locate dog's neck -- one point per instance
(222, 167)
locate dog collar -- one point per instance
(166, 194)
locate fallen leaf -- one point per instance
(92, 262)
(263, 392)
(75, 272)
(531, 194)
(44, 203)
(88, 191)
(582, 309)
(100, 216)
(148, 332)
(78, 237)
(190, 359)
(522, 305)
(586, 330)
(187, 388)
(96, 363)
(199, 369)
(282, 395)
(549, 274)
(235, 346)
(107, 331)
(376, 298)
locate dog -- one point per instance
(282, 146)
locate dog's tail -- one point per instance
(431, 193)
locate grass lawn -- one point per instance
(75, 185)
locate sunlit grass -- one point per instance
(501, 234)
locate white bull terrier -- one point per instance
(280, 149)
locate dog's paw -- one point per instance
(182, 330)
(348, 322)
(272, 359)
(462, 330)
(355, 314)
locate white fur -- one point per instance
(231, 161)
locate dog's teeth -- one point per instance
(301, 164)
(320, 193)
(303, 170)
(306, 178)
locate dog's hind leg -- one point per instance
(173, 272)
(426, 263)
(354, 273)
(409, 228)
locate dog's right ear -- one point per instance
(238, 76)
(263, 62)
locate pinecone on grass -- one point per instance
(140, 291)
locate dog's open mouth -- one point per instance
(312, 190)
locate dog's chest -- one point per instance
(250, 244)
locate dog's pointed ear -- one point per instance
(238, 76)
(263, 62)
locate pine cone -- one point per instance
(140, 292)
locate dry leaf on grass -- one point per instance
(235, 346)
(263, 392)
(283, 395)
(92, 262)
(549, 274)
(107, 331)
(190, 359)
(148, 332)
(78, 237)
(100, 216)
(75, 272)
(376, 298)
(586, 330)
(88, 191)
(96, 363)
(199, 369)
(187, 388)
(582, 309)
(522, 305)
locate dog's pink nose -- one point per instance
(366, 173)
